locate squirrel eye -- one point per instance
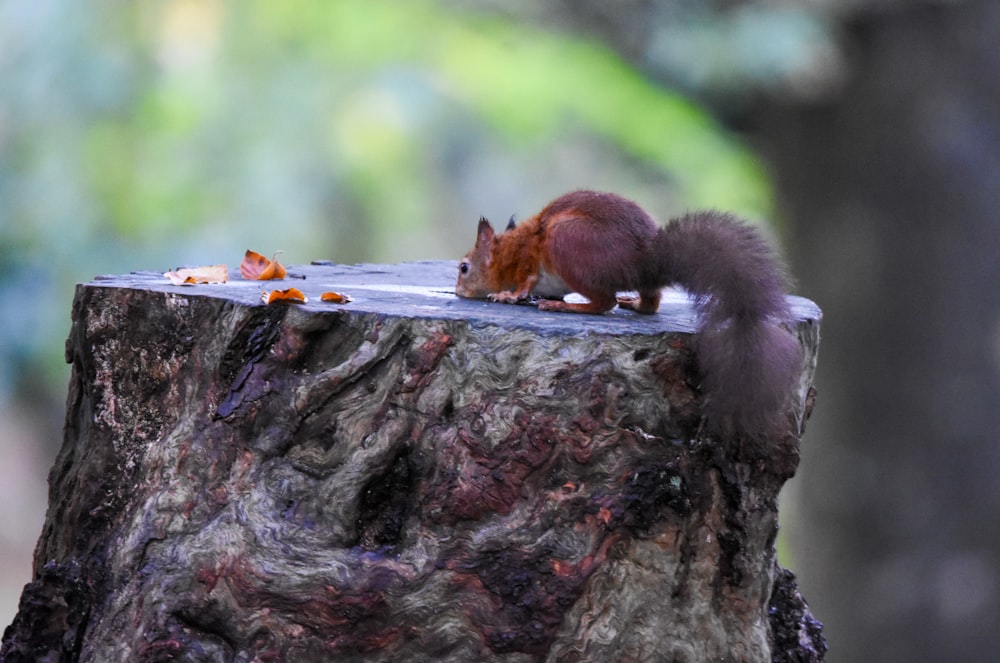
(464, 267)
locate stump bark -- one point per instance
(410, 477)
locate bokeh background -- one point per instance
(864, 135)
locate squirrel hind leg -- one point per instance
(647, 302)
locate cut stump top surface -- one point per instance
(427, 289)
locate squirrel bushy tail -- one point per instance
(748, 363)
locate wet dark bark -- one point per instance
(411, 477)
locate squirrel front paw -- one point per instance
(506, 297)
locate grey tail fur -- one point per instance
(748, 362)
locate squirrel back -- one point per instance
(599, 244)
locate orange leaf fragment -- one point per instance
(195, 275)
(335, 297)
(291, 296)
(256, 267)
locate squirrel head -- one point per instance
(474, 277)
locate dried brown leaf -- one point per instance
(256, 267)
(196, 275)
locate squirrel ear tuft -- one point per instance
(485, 231)
(512, 222)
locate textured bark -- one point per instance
(412, 477)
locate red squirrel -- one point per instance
(599, 244)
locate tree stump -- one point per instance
(409, 477)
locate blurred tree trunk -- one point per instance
(893, 190)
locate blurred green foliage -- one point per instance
(150, 135)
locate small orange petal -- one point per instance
(291, 295)
(335, 297)
(273, 271)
